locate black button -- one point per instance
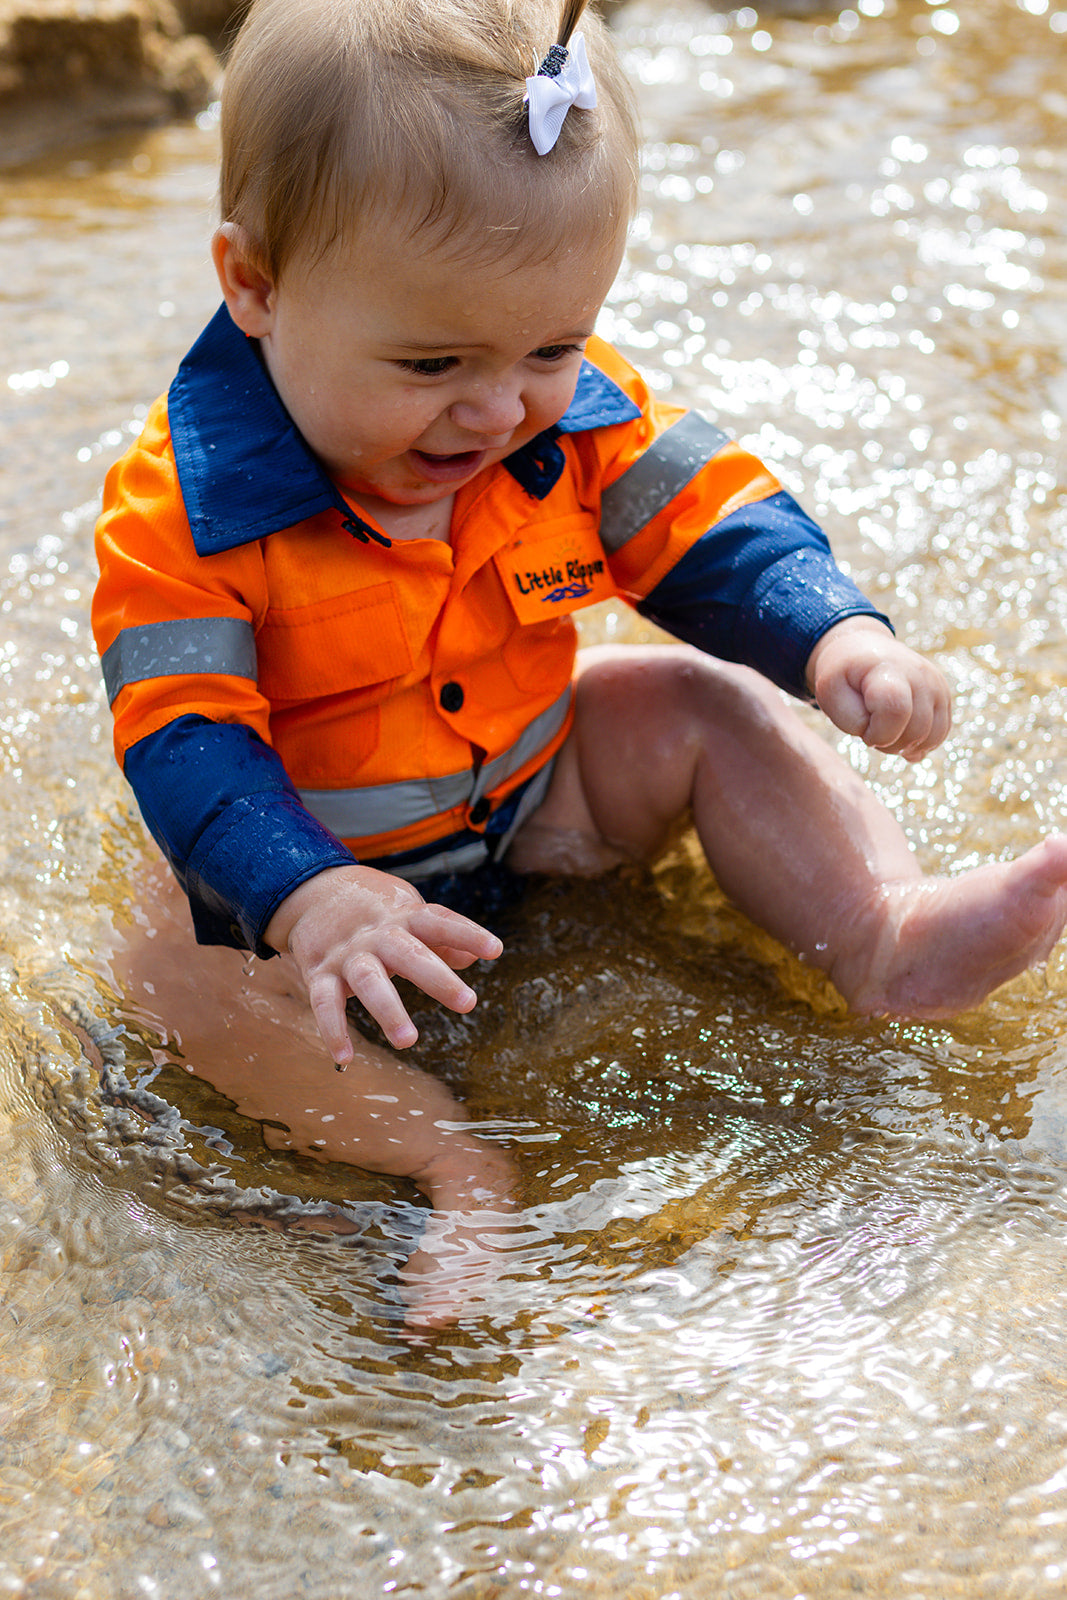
(451, 697)
(479, 811)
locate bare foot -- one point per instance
(936, 946)
(460, 1253)
(461, 1256)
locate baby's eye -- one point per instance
(428, 366)
(557, 352)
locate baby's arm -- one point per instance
(263, 874)
(871, 685)
(351, 930)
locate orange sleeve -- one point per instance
(150, 573)
(730, 479)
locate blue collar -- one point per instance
(245, 470)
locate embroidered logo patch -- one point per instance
(556, 573)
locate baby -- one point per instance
(339, 569)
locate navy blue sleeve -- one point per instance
(761, 588)
(225, 813)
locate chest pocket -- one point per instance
(351, 641)
(555, 568)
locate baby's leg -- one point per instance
(246, 1028)
(793, 835)
(382, 1115)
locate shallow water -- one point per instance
(786, 1313)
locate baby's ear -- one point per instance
(246, 288)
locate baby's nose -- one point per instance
(492, 409)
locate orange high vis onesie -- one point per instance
(291, 689)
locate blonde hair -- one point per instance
(340, 112)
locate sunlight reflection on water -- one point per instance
(785, 1313)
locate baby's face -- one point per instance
(409, 375)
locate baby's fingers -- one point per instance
(401, 955)
(940, 723)
(448, 931)
(366, 979)
(456, 959)
(895, 720)
(327, 996)
(907, 719)
(371, 985)
(930, 722)
(845, 707)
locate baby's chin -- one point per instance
(417, 479)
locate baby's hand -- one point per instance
(351, 930)
(870, 684)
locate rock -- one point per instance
(217, 20)
(74, 69)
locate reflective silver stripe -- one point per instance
(477, 851)
(532, 796)
(653, 481)
(387, 807)
(165, 649)
(541, 731)
(465, 859)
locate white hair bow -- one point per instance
(550, 96)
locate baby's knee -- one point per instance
(671, 686)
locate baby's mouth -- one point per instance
(455, 465)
